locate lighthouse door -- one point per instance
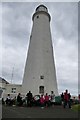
(41, 89)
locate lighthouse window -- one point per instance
(41, 89)
(41, 77)
(37, 16)
(13, 90)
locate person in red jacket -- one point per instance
(46, 100)
(67, 99)
(42, 100)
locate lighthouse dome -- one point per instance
(41, 8)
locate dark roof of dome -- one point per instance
(2, 80)
(41, 6)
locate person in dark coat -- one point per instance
(29, 99)
(19, 99)
(62, 98)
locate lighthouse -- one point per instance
(40, 73)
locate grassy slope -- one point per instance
(76, 107)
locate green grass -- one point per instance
(76, 107)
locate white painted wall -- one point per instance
(7, 89)
(10, 86)
(40, 59)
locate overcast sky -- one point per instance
(16, 29)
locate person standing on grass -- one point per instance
(67, 99)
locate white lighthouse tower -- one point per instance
(39, 74)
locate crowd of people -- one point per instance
(43, 100)
(30, 100)
(40, 100)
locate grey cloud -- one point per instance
(64, 18)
